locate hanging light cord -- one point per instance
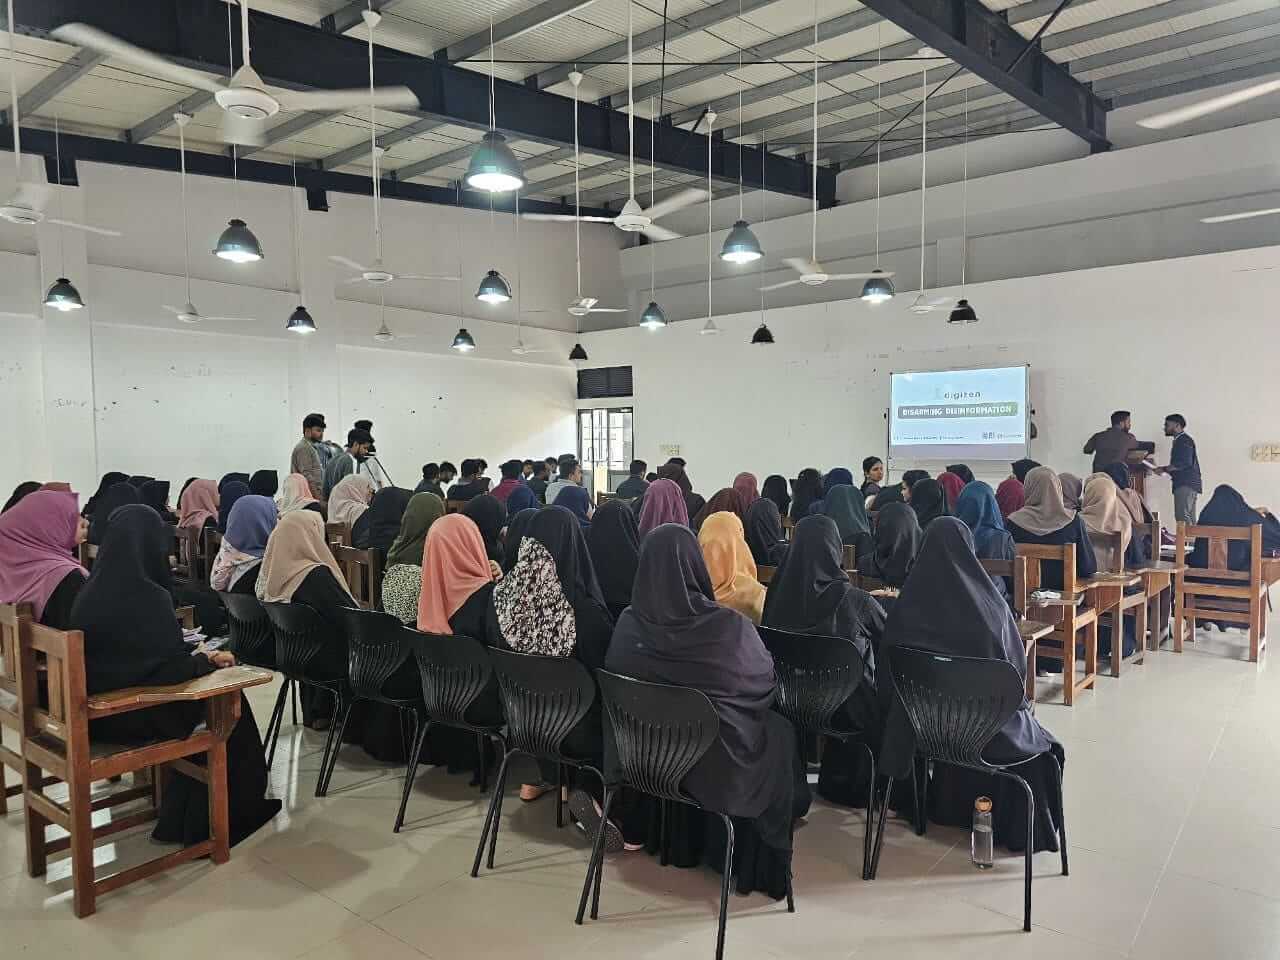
(653, 248)
(62, 231)
(813, 161)
(373, 155)
(924, 162)
(710, 243)
(13, 99)
(293, 222)
(743, 84)
(493, 115)
(879, 118)
(763, 201)
(186, 231)
(631, 106)
(577, 198)
(964, 215)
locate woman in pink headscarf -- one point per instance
(1010, 496)
(952, 483)
(748, 492)
(198, 505)
(38, 538)
(663, 503)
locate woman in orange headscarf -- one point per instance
(732, 569)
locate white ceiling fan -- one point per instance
(383, 334)
(188, 313)
(30, 200)
(923, 303)
(632, 218)
(1173, 118)
(520, 348)
(811, 272)
(246, 101)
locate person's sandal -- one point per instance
(530, 792)
(586, 813)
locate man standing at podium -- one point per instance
(1117, 444)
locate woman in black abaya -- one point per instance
(674, 632)
(763, 528)
(378, 527)
(132, 638)
(614, 540)
(490, 515)
(949, 606)
(775, 489)
(117, 495)
(897, 540)
(1227, 508)
(811, 593)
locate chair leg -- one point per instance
(332, 743)
(34, 823)
(420, 728)
(1069, 660)
(219, 809)
(1117, 640)
(484, 769)
(1031, 840)
(726, 884)
(920, 788)
(884, 810)
(559, 795)
(293, 697)
(664, 807)
(85, 894)
(491, 819)
(1062, 815)
(597, 858)
(871, 805)
(273, 726)
(595, 895)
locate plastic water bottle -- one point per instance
(981, 846)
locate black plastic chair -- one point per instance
(455, 671)
(544, 699)
(378, 659)
(253, 642)
(956, 705)
(310, 650)
(660, 732)
(816, 675)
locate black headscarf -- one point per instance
(557, 529)
(1022, 467)
(517, 528)
(228, 494)
(385, 512)
(125, 608)
(962, 471)
(886, 496)
(155, 494)
(109, 480)
(490, 515)
(950, 606)
(805, 489)
(231, 478)
(139, 480)
(929, 501)
(775, 489)
(1227, 508)
(264, 483)
(21, 490)
(897, 540)
(117, 495)
(763, 529)
(614, 540)
(674, 632)
(811, 592)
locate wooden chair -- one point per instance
(1069, 615)
(1217, 592)
(337, 533)
(1157, 577)
(454, 506)
(185, 551)
(11, 617)
(57, 740)
(765, 574)
(363, 572)
(603, 498)
(1015, 571)
(210, 544)
(1120, 604)
(86, 553)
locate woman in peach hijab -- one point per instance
(732, 569)
(457, 585)
(198, 505)
(296, 495)
(748, 491)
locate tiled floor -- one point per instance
(1172, 782)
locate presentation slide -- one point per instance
(959, 414)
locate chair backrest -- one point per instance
(955, 704)
(363, 572)
(252, 640)
(210, 545)
(86, 553)
(765, 573)
(815, 675)
(1107, 548)
(1035, 554)
(338, 533)
(603, 498)
(187, 558)
(543, 699)
(455, 671)
(376, 649)
(1219, 542)
(661, 731)
(454, 506)
(300, 633)
(64, 723)
(1015, 571)
(11, 617)
(850, 557)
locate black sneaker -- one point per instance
(586, 813)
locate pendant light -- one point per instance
(709, 328)
(921, 303)
(493, 288)
(577, 354)
(741, 245)
(964, 312)
(494, 168)
(763, 335)
(652, 318)
(879, 287)
(62, 296)
(300, 320)
(237, 243)
(463, 342)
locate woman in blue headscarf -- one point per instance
(233, 491)
(235, 568)
(836, 477)
(977, 508)
(521, 498)
(578, 502)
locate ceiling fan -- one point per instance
(632, 218)
(246, 101)
(1173, 118)
(30, 200)
(377, 273)
(188, 313)
(383, 334)
(520, 348)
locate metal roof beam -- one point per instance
(61, 78)
(289, 128)
(524, 22)
(340, 21)
(386, 140)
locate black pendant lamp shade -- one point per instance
(741, 245)
(238, 244)
(463, 342)
(300, 321)
(493, 288)
(653, 318)
(63, 296)
(763, 335)
(963, 313)
(577, 353)
(877, 289)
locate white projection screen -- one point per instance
(959, 414)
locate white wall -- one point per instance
(1191, 336)
(123, 385)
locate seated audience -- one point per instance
(635, 484)
(539, 481)
(297, 495)
(977, 509)
(490, 517)
(910, 479)
(430, 482)
(117, 495)
(578, 502)
(887, 495)
(38, 540)
(764, 533)
(570, 475)
(228, 494)
(805, 489)
(730, 565)
(198, 505)
(1227, 508)
(349, 499)
(19, 492)
(133, 638)
(675, 472)
(663, 503)
(264, 483)
(510, 480)
(775, 489)
(1010, 496)
(239, 558)
(155, 494)
(1130, 499)
(614, 541)
(962, 471)
(1104, 516)
(928, 500)
(1072, 490)
(748, 493)
(471, 484)
(872, 476)
(1021, 468)
(844, 504)
(377, 527)
(109, 480)
(674, 632)
(402, 581)
(724, 500)
(521, 498)
(895, 543)
(1045, 520)
(951, 484)
(950, 607)
(516, 527)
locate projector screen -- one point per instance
(959, 414)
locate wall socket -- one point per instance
(1265, 453)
